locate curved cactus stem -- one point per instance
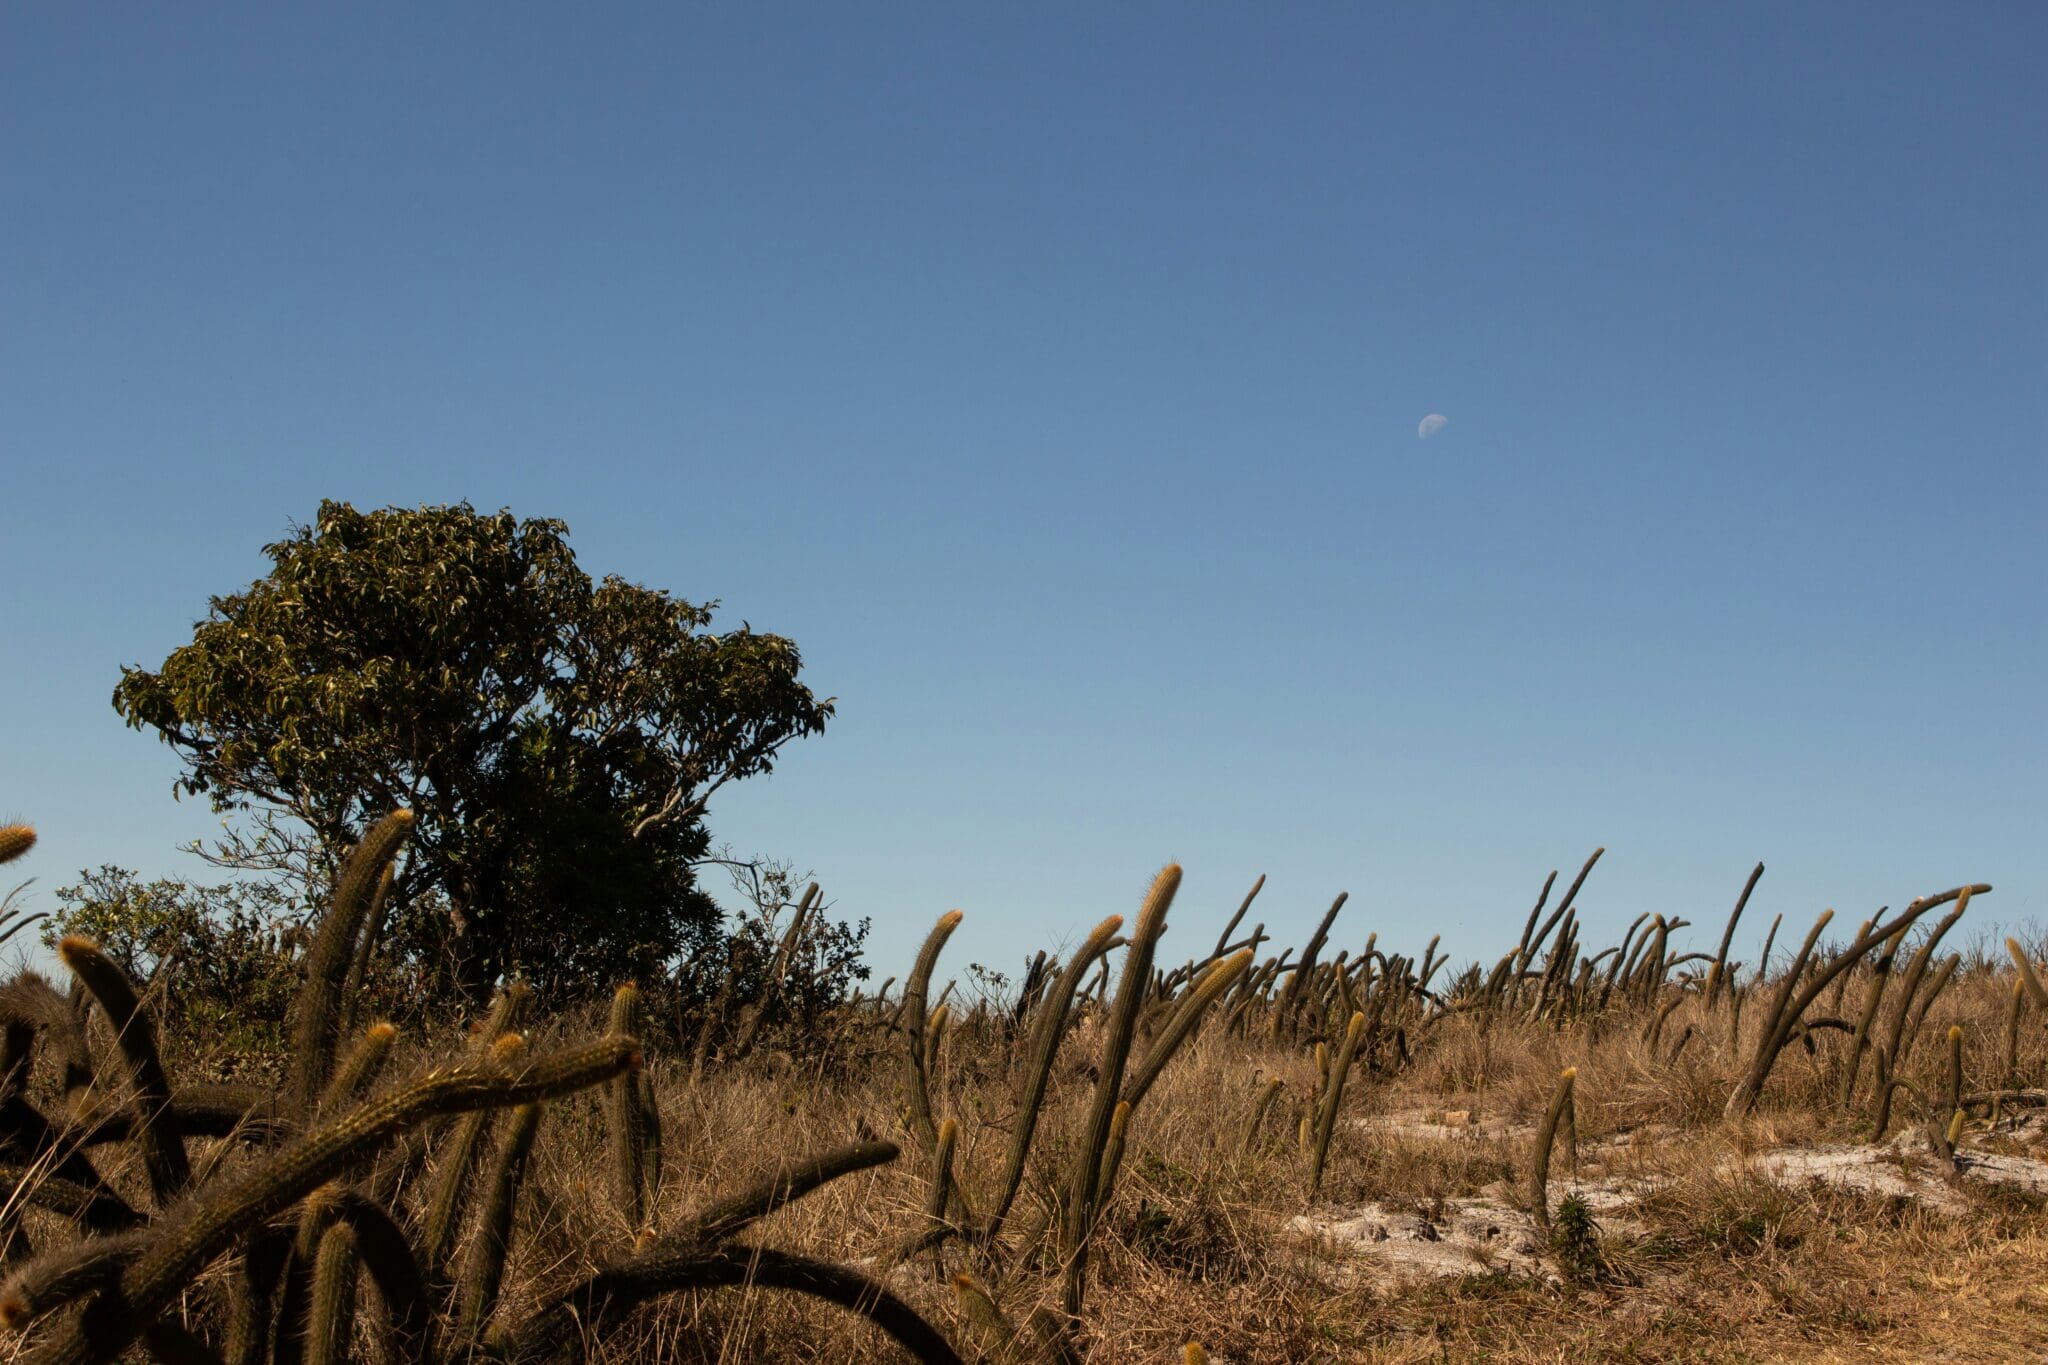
(360, 1068)
(64, 1274)
(97, 1207)
(331, 1319)
(316, 1023)
(1333, 1095)
(611, 1292)
(1218, 978)
(670, 1261)
(1049, 1025)
(624, 1125)
(1717, 975)
(1539, 1163)
(1084, 1192)
(394, 1271)
(485, 1272)
(917, 1093)
(182, 1248)
(156, 1124)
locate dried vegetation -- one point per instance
(1629, 1153)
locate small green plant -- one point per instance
(1575, 1241)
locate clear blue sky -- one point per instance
(1052, 376)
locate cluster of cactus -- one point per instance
(344, 1189)
(1145, 1022)
(299, 1191)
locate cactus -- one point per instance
(917, 1093)
(1219, 977)
(366, 947)
(625, 1119)
(778, 969)
(465, 1149)
(485, 1270)
(1223, 939)
(1539, 1158)
(935, 1038)
(1084, 1192)
(1791, 999)
(2012, 1031)
(2029, 979)
(1284, 1016)
(942, 1178)
(1717, 975)
(332, 1318)
(998, 1339)
(1048, 1028)
(1333, 1095)
(156, 1124)
(316, 1027)
(58, 1277)
(360, 1068)
(1880, 977)
(1955, 1066)
(693, 1256)
(15, 840)
(1264, 1103)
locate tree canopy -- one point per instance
(556, 738)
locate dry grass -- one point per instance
(1702, 1250)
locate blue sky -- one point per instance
(1052, 376)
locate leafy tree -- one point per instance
(558, 739)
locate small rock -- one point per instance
(1526, 1247)
(1424, 1231)
(1378, 1233)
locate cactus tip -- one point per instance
(16, 840)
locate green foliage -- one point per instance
(223, 960)
(556, 737)
(793, 973)
(1575, 1240)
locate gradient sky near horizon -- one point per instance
(1053, 376)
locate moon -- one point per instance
(1431, 425)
